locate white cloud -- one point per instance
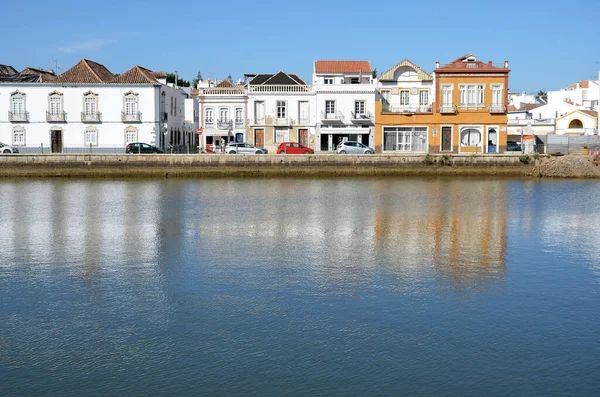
(87, 45)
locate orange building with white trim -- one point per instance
(460, 108)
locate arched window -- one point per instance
(131, 135)
(470, 137)
(91, 136)
(209, 116)
(576, 123)
(18, 134)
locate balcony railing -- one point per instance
(337, 116)
(239, 123)
(18, 116)
(532, 121)
(448, 109)
(497, 108)
(279, 88)
(282, 121)
(91, 117)
(362, 117)
(408, 109)
(56, 116)
(131, 117)
(221, 91)
(258, 121)
(224, 124)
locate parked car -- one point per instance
(244, 148)
(512, 146)
(293, 148)
(140, 147)
(4, 148)
(354, 147)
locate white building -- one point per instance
(517, 100)
(88, 108)
(223, 109)
(345, 103)
(281, 109)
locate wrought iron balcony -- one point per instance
(406, 109)
(131, 117)
(18, 116)
(448, 109)
(282, 121)
(332, 117)
(224, 124)
(497, 108)
(362, 117)
(91, 117)
(56, 116)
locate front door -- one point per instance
(56, 141)
(492, 140)
(446, 139)
(259, 138)
(303, 136)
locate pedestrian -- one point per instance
(222, 144)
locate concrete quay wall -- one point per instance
(165, 165)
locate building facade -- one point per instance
(281, 109)
(88, 108)
(345, 103)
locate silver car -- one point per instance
(354, 147)
(243, 148)
(4, 148)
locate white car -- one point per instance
(353, 147)
(243, 148)
(5, 149)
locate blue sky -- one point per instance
(549, 43)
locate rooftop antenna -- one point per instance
(56, 67)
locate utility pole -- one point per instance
(175, 79)
(56, 67)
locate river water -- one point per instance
(317, 287)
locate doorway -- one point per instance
(56, 144)
(492, 140)
(259, 138)
(303, 136)
(446, 139)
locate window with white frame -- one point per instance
(18, 136)
(91, 136)
(470, 136)
(208, 116)
(131, 135)
(282, 135)
(385, 97)
(359, 108)
(55, 104)
(423, 97)
(404, 97)
(131, 104)
(497, 94)
(471, 95)
(238, 115)
(223, 115)
(18, 104)
(90, 103)
(281, 109)
(328, 80)
(329, 109)
(447, 94)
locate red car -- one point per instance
(293, 148)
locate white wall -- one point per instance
(111, 129)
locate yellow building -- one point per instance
(465, 111)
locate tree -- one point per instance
(180, 82)
(542, 94)
(197, 79)
(374, 73)
(230, 78)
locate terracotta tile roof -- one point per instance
(43, 74)
(136, 75)
(7, 70)
(592, 113)
(461, 65)
(512, 108)
(528, 106)
(86, 71)
(194, 92)
(582, 84)
(342, 67)
(225, 83)
(160, 75)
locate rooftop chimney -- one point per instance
(489, 63)
(437, 65)
(505, 64)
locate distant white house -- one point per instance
(578, 122)
(88, 108)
